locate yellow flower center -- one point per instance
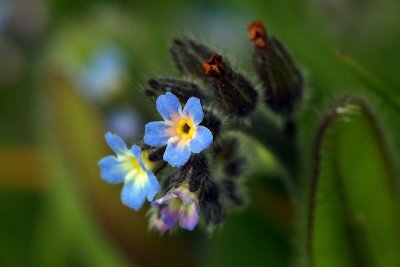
(132, 164)
(135, 171)
(185, 129)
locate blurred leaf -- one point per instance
(249, 240)
(28, 177)
(368, 80)
(260, 234)
(18, 211)
(353, 216)
(67, 233)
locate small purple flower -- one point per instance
(180, 130)
(179, 205)
(132, 168)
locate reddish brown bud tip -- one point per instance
(214, 66)
(257, 33)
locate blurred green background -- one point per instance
(71, 70)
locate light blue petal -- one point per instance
(111, 170)
(202, 140)
(153, 186)
(156, 134)
(133, 195)
(168, 105)
(194, 110)
(176, 155)
(116, 143)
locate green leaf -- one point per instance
(353, 217)
(368, 80)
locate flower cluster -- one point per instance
(182, 135)
(194, 150)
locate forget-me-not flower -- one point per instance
(180, 130)
(131, 167)
(179, 205)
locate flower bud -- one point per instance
(212, 209)
(231, 190)
(234, 93)
(214, 213)
(281, 79)
(236, 167)
(189, 56)
(226, 149)
(195, 172)
(182, 89)
(212, 122)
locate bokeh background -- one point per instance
(70, 70)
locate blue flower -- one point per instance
(131, 167)
(180, 130)
(178, 205)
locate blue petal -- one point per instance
(111, 170)
(194, 110)
(156, 134)
(176, 155)
(116, 143)
(202, 140)
(133, 195)
(152, 187)
(168, 105)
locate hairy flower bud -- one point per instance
(212, 122)
(182, 89)
(231, 190)
(227, 148)
(281, 79)
(195, 172)
(214, 212)
(189, 56)
(234, 93)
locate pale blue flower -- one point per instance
(180, 130)
(131, 167)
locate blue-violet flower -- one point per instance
(180, 130)
(179, 205)
(131, 167)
